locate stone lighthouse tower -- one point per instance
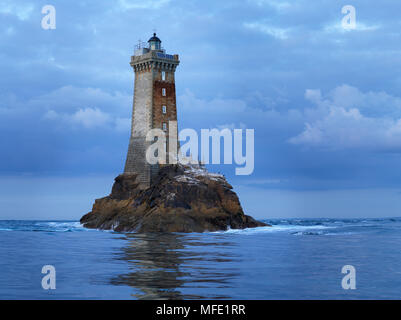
(154, 105)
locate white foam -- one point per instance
(62, 226)
(274, 228)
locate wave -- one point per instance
(43, 226)
(293, 229)
(296, 227)
(321, 226)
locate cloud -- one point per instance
(278, 5)
(206, 113)
(21, 11)
(360, 26)
(216, 105)
(348, 118)
(87, 118)
(138, 4)
(70, 97)
(90, 118)
(73, 107)
(66, 96)
(275, 32)
(232, 126)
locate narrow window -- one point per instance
(164, 109)
(164, 126)
(164, 92)
(163, 75)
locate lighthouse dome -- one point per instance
(154, 43)
(154, 38)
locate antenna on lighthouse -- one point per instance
(138, 46)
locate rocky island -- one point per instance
(182, 198)
(165, 195)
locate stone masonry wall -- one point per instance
(147, 110)
(141, 124)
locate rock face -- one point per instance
(181, 199)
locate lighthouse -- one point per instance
(154, 105)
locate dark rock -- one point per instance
(181, 199)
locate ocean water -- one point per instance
(293, 259)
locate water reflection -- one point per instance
(179, 266)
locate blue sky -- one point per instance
(325, 103)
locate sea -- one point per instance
(293, 259)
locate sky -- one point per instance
(325, 102)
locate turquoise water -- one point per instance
(294, 259)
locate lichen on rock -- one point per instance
(182, 198)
